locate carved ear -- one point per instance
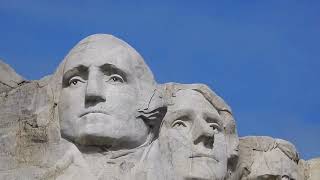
(153, 118)
(154, 107)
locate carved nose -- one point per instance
(94, 91)
(203, 134)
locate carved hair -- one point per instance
(154, 110)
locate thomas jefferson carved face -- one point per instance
(99, 97)
(193, 133)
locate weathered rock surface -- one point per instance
(9, 79)
(314, 169)
(26, 127)
(101, 116)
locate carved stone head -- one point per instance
(265, 158)
(197, 133)
(104, 84)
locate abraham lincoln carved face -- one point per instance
(102, 78)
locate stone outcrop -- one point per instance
(9, 79)
(101, 115)
(313, 169)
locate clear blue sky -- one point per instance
(262, 57)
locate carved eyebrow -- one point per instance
(212, 118)
(76, 71)
(183, 113)
(109, 69)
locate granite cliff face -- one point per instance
(101, 115)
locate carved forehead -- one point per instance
(187, 99)
(274, 162)
(270, 145)
(102, 49)
(172, 88)
(118, 57)
(99, 50)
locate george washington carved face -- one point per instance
(98, 104)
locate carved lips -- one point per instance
(203, 155)
(93, 111)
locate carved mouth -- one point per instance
(93, 111)
(203, 155)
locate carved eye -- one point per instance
(179, 124)
(216, 127)
(270, 177)
(286, 177)
(74, 81)
(116, 78)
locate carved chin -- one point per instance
(95, 140)
(108, 141)
(204, 169)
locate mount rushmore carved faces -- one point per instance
(102, 81)
(194, 133)
(117, 123)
